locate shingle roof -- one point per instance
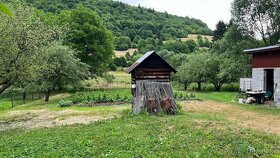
(143, 58)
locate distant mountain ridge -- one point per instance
(130, 21)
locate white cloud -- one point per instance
(209, 11)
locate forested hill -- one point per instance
(130, 21)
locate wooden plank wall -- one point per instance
(152, 74)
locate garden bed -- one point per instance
(92, 104)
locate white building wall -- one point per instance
(258, 75)
(277, 81)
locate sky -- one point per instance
(209, 11)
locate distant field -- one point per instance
(190, 37)
(122, 53)
(194, 37)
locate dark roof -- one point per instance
(262, 49)
(143, 58)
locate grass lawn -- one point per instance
(184, 135)
(216, 126)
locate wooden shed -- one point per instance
(266, 70)
(150, 84)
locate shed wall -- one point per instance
(266, 60)
(258, 79)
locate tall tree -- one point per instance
(220, 30)
(221, 70)
(194, 70)
(89, 36)
(258, 18)
(174, 59)
(232, 45)
(59, 68)
(21, 39)
(122, 43)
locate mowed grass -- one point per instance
(217, 96)
(186, 135)
(192, 133)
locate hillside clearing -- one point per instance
(122, 53)
(194, 37)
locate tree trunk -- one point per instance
(32, 95)
(5, 86)
(185, 85)
(47, 95)
(217, 86)
(199, 86)
(24, 96)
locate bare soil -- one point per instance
(244, 118)
(32, 119)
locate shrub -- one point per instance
(112, 67)
(109, 78)
(65, 103)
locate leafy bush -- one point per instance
(187, 96)
(65, 103)
(120, 62)
(112, 67)
(110, 96)
(109, 78)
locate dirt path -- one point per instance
(261, 121)
(32, 119)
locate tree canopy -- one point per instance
(32, 54)
(220, 30)
(89, 36)
(258, 18)
(21, 39)
(133, 22)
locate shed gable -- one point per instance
(151, 60)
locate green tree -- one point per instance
(146, 34)
(20, 42)
(174, 59)
(200, 41)
(60, 67)
(194, 70)
(89, 36)
(221, 70)
(176, 46)
(232, 45)
(136, 39)
(192, 45)
(122, 43)
(147, 45)
(125, 20)
(209, 67)
(120, 62)
(258, 18)
(220, 30)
